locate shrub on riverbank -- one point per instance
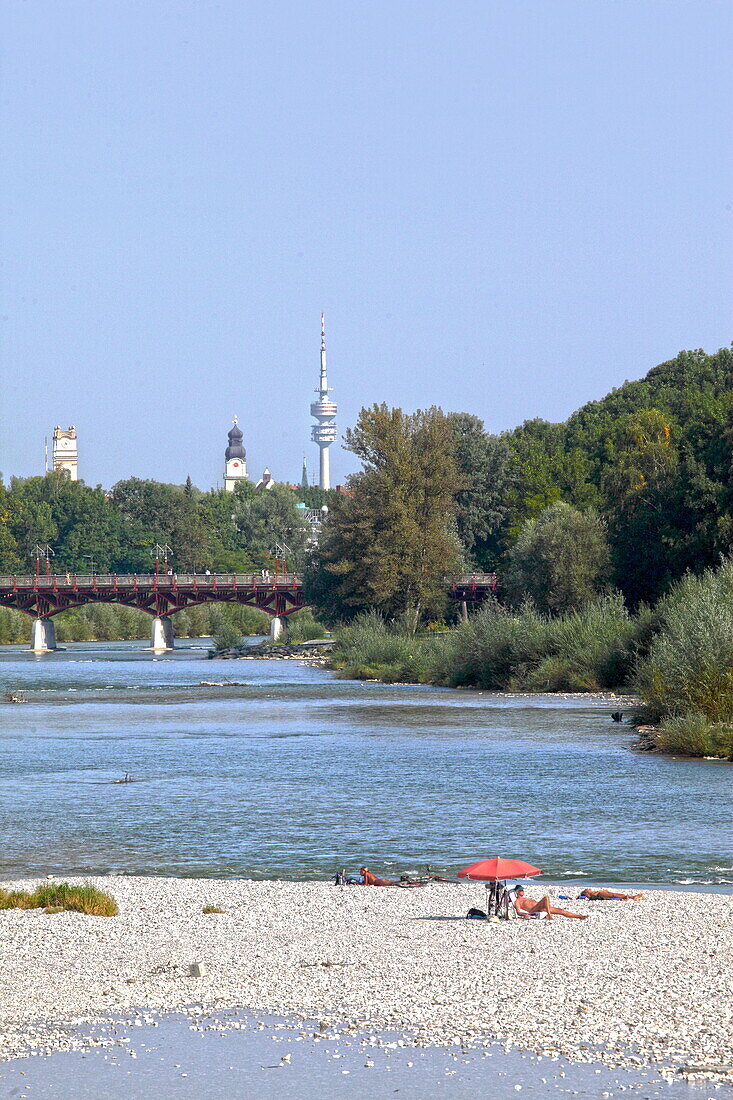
(695, 735)
(686, 680)
(587, 650)
(498, 650)
(371, 649)
(303, 627)
(61, 896)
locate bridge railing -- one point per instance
(479, 579)
(262, 579)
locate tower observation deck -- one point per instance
(323, 433)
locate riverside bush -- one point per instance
(371, 649)
(686, 679)
(695, 735)
(303, 627)
(500, 650)
(592, 649)
(496, 649)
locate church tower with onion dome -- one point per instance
(236, 459)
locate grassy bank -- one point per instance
(59, 896)
(498, 650)
(678, 657)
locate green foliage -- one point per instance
(588, 650)
(114, 622)
(695, 735)
(592, 649)
(226, 634)
(391, 542)
(653, 457)
(689, 667)
(303, 627)
(481, 504)
(560, 560)
(371, 649)
(648, 468)
(59, 896)
(116, 532)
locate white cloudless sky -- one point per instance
(504, 208)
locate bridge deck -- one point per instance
(163, 594)
(158, 594)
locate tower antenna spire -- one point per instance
(324, 412)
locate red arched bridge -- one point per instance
(162, 594)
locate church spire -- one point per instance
(236, 457)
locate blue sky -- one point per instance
(503, 208)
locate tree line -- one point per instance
(117, 531)
(628, 495)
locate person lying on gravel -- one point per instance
(526, 907)
(372, 880)
(607, 895)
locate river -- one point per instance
(286, 771)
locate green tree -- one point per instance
(390, 543)
(481, 507)
(560, 560)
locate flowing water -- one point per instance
(278, 769)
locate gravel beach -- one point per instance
(637, 982)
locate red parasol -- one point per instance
(495, 871)
(498, 870)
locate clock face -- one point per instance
(235, 465)
(64, 442)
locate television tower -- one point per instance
(324, 412)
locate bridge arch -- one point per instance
(159, 595)
(162, 594)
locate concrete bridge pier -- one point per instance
(44, 635)
(277, 628)
(161, 636)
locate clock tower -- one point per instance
(236, 459)
(65, 456)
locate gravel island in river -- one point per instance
(638, 981)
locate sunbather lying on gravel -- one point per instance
(372, 880)
(608, 895)
(526, 907)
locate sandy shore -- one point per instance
(636, 982)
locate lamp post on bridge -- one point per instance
(281, 558)
(43, 553)
(161, 551)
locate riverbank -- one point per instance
(678, 657)
(636, 982)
